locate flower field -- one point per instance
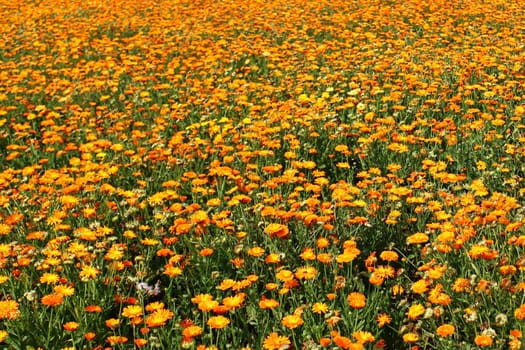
(262, 174)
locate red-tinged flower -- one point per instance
(93, 309)
(71, 326)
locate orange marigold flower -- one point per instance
(275, 341)
(265, 303)
(89, 336)
(483, 340)
(445, 330)
(192, 331)
(277, 230)
(357, 300)
(343, 342)
(93, 308)
(116, 339)
(389, 255)
(292, 321)
(218, 322)
(71, 326)
(52, 299)
(519, 313)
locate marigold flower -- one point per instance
(363, 337)
(356, 300)
(158, 318)
(132, 311)
(319, 308)
(519, 313)
(275, 341)
(3, 336)
(415, 311)
(483, 340)
(192, 331)
(218, 322)
(277, 230)
(71, 326)
(383, 319)
(292, 321)
(9, 309)
(52, 299)
(410, 337)
(445, 330)
(265, 303)
(88, 272)
(417, 238)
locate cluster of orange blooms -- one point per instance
(262, 174)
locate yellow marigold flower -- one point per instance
(307, 273)
(207, 305)
(218, 322)
(292, 321)
(410, 337)
(417, 238)
(88, 272)
(285, 275)
(132, 311)
(49, 278)
(308, 254)
(64, 290)
(319, 308)
(275, 341)
(415, 311)
(383, 319)
(158, 318)
(154, 306)
(3, 336)
(363, 337)
(9, 309)
(420, 286)
(348, 255)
